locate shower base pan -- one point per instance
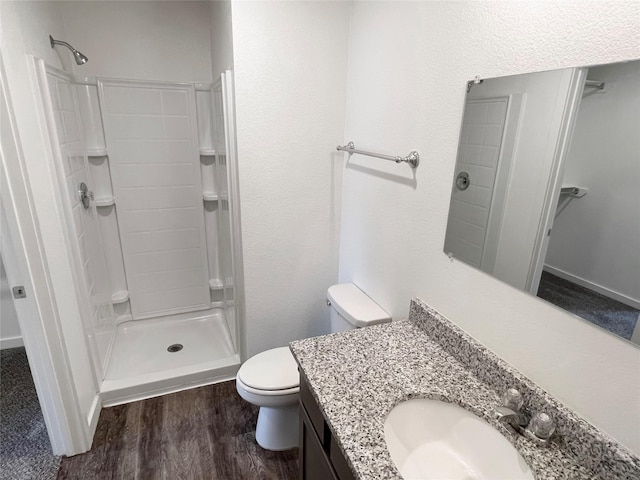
(165, 355)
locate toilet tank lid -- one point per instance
(356, 306)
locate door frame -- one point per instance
(567, 126)
(515, 105)
(26, 264)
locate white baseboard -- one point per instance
(94, 414)
(632, 302)
(11, 342)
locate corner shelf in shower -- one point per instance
(573, 190)
(105, 201)
(210, 197)
(120, 296)
(218, 284)
(96, 152)
(207, 152)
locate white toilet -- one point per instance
(270, 379)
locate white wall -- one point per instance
(290, 71)
(221, 37)
(596, 238)
(144, 40)
(408, 64)
(10, 336)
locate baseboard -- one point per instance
(11, 342)
(632, 302)
(94, 415)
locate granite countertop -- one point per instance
(358, 376)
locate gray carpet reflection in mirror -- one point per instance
(605, 312)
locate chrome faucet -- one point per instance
(510, 412)
(517, 420)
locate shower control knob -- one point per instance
(463, 180)
(85, 195)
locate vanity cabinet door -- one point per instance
(339, 463)
(313, 411)
(320, 456)
(314, 464)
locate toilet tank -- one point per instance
(352, 308)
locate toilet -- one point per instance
(270, 379)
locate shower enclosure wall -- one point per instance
(152, 232)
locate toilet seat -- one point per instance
(270, 380)
(266, 393)
(273, 372)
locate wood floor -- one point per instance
(203, 433)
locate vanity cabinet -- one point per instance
(320, 455)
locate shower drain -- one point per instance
(176, 347)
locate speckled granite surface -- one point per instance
(357, 377)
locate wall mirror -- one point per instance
(546, 189)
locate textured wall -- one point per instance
(221, 37)
(408, 64)
(290, 71)
(161, 40)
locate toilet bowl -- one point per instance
(270, 379)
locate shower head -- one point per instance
(79, 57)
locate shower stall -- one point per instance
(147, 177)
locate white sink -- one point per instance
(430, 439)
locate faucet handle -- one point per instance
(542, 425)
(512, 399)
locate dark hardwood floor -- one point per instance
(203, 433)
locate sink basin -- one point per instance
(431, 439)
